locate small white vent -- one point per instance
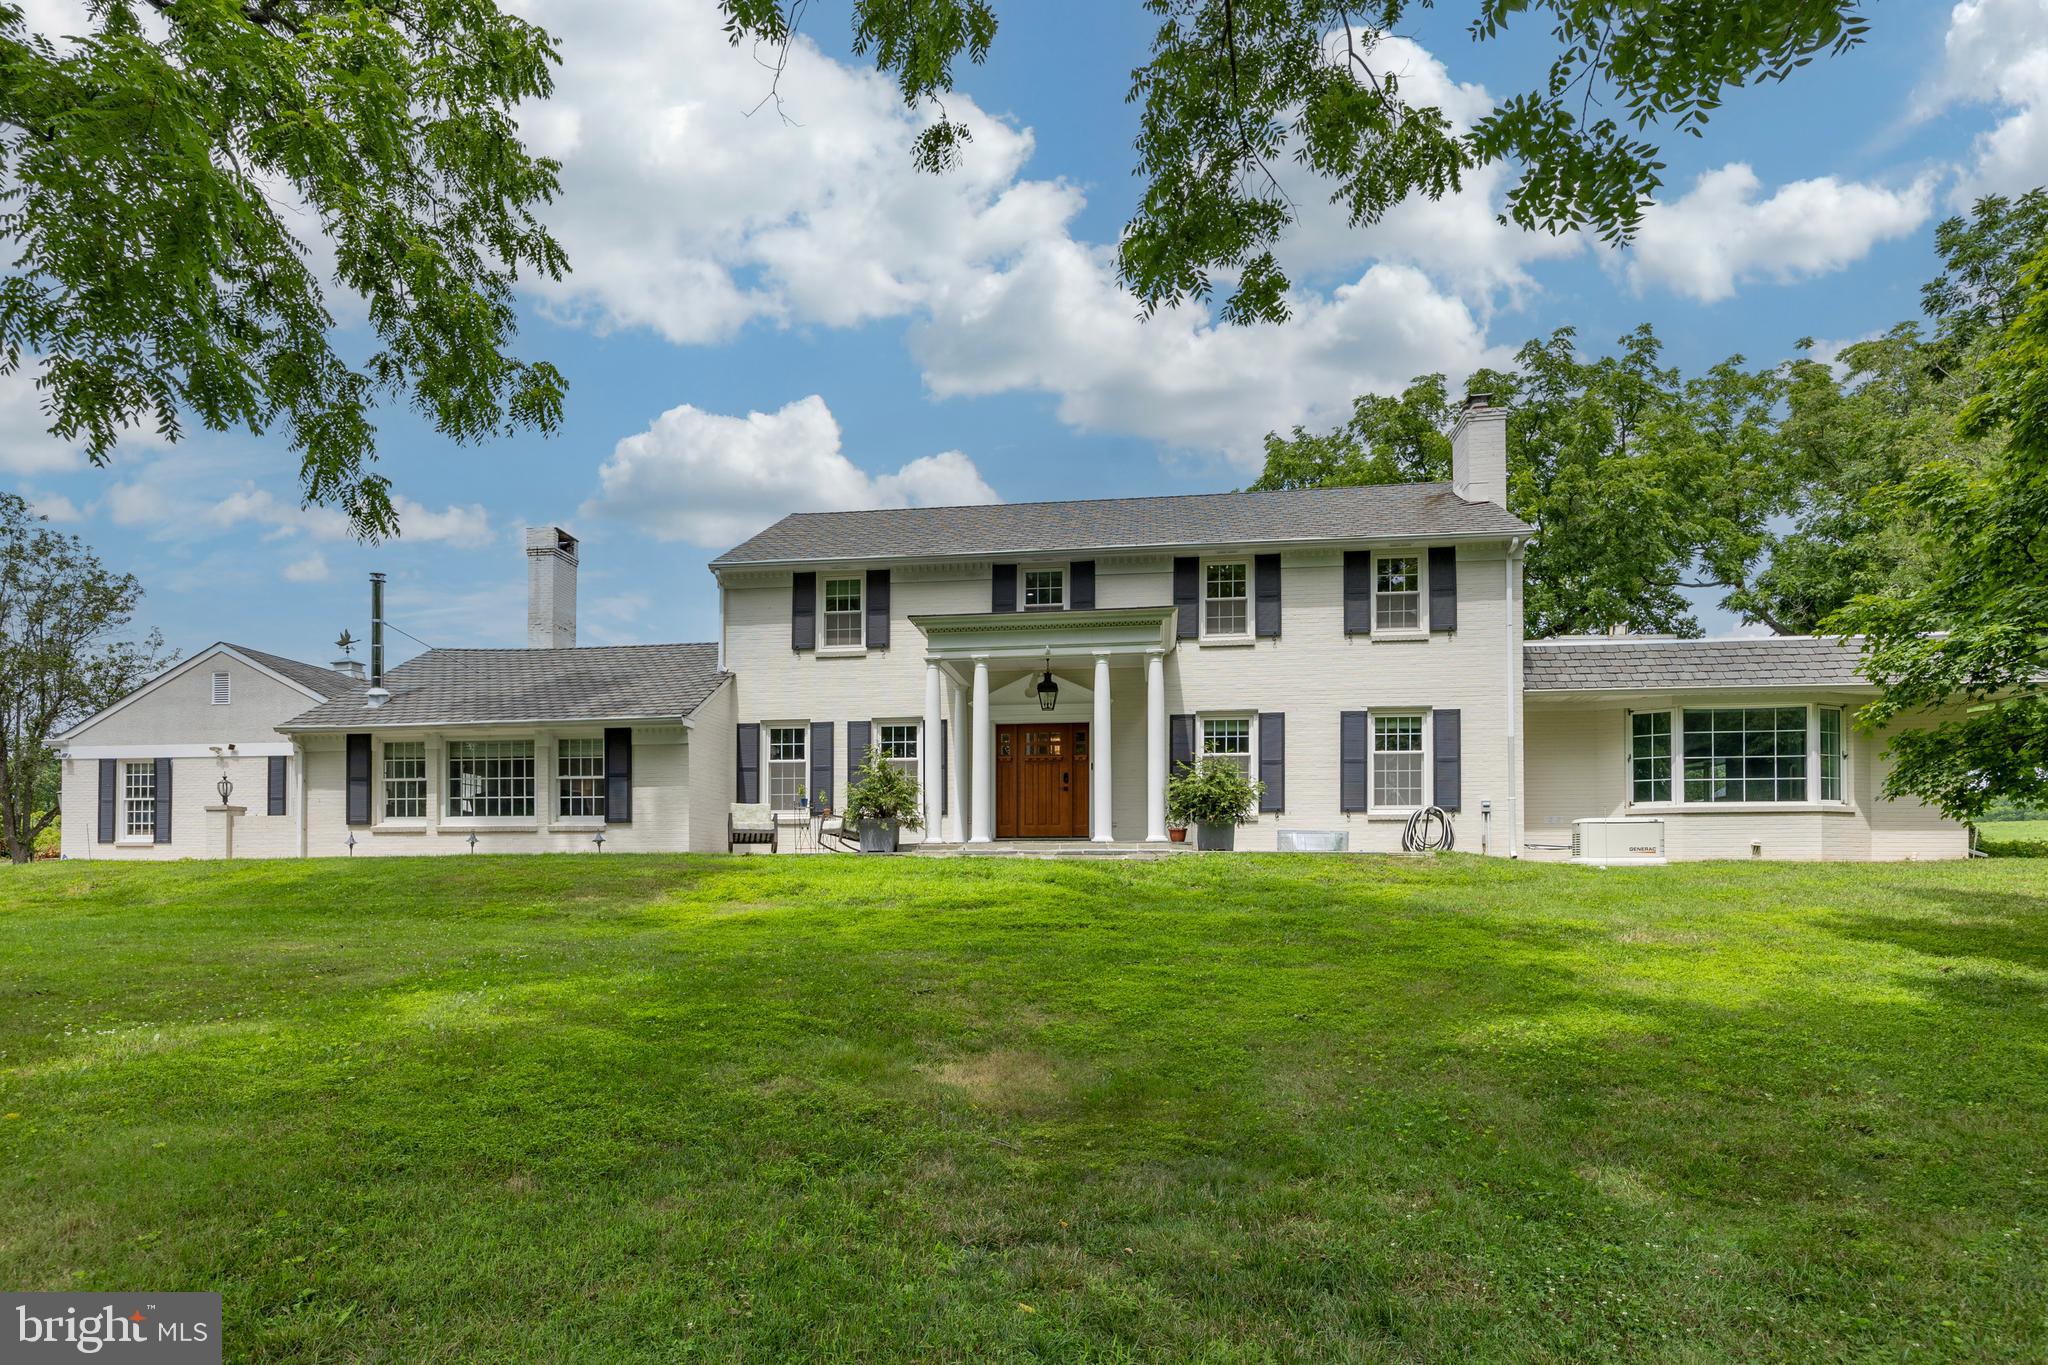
(220, 689)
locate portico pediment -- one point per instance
(1134, 631)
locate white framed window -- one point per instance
(579, 777)
(405, 780)
(138, 800)
(1228, 739)
(1649, 756)
(898, 744)
(490, 779)
(1397, 753)
(1397, 592)
(222, 688)
(845, 627)
(1744, 753)
(1226, 599)
(788, 751)
(1834, 754)
(1045, 589)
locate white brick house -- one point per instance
(1041, 668)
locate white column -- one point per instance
(1155, 747)
(1098, 747)
(956, 766)
(984, 809)
(928, 754)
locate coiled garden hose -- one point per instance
(1429, 831)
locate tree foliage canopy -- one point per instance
(177, 173)
(1232, 89)
(63, 655)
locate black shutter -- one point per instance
(1447, 780)
(1358, 592)
(747, 769)
(857, 733)
(1187, 572)
(1081, 585)
(1351, 734)
(878, 608)
(618, 775)
(1002, 587)
(110, 795)
(163, 800)
(1443, 589)
(945, 771)
(1273, 760)
(358, 780)
(803, 613)
(1266, 596)
(277, 777)
(1180, 743)
(821, 763)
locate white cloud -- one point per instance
(311, 569)
(1720, 234)
(465, 526)
(54, 506)
(713, 480)
(1996, 53)
(26, 445)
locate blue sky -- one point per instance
(771, 314)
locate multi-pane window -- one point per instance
(489, 779)
(787, 747)
(842, 613)
(1224, 604)
(222, 693)
(1228, 739)
(1650, 756)
(1397, 592)
(1396, 761)
(138, 792)
(579, 776)
(898, 744)
(1832, 753)
(1045, 589)
(1755, 753)
(405, 780)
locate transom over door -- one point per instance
(1041, 781)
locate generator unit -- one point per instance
(1618, 840)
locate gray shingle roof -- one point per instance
(1376, 512)
(328, 682)
(485, 686)
(1622, 664)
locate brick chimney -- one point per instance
(550, 588)
(1479, 451)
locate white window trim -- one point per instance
(859, 579)
(555, 817)
(1678, 804)
(223, 687)
(428, 753)
(1419, 631)
(122, 835)
(1372, 760)
(1251, 719)
(1245, 636)
(445, 797)
(803, 784)
(1024, 572)
(916, 724)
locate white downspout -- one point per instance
(1517, 626)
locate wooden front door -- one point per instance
(1041, 782)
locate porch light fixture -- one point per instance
(1048, 690)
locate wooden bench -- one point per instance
(752, 825)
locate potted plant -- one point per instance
(881, 800)
(1214, 797)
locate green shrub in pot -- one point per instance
(1213, 796)
(881, 800)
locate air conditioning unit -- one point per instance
(1618, 840)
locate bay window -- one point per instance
(1650, 756)
(1752, 753)
(1833, 754)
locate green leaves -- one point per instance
(1233, 89)
(171, 192)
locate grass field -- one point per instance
(2028, 831)
(611, 1108)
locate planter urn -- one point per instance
(1217, 838)
(878, 836)
(1178, 834)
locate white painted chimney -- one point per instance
(1479, 451)
(550, 588)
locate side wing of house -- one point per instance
(139, 777)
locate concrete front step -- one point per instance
(1052, 848)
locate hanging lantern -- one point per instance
(1048, 690)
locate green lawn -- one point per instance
(611, 1108)
(2026, 831)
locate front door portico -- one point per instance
(1042, 782)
